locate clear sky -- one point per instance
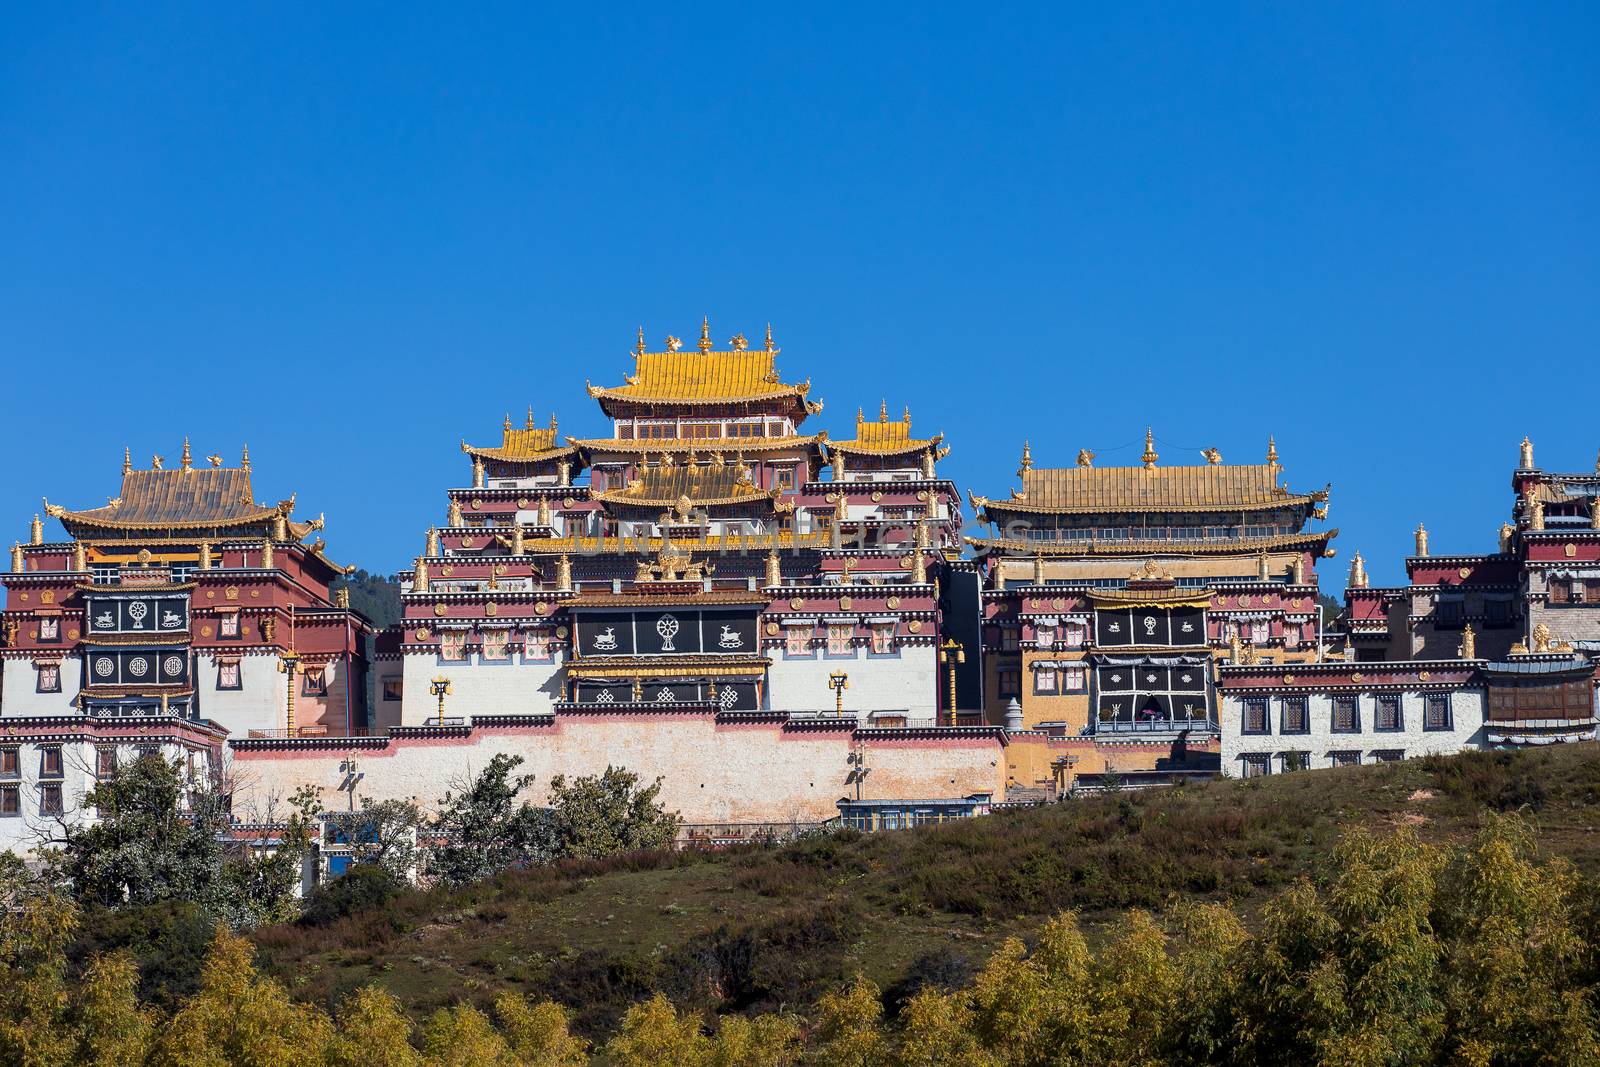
(353, 235)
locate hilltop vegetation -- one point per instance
(1427, 913)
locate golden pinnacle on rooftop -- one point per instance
(244, 463)
(639, 346)
(186, 461)
(704, 343)
(1525, 456)
(127, 459)
(883, 411)
(769, 345)
(1150, 454)
(1027, 459)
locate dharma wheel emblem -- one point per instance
(667, 628)
(137, 611)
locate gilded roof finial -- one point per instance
(739, 342)
(127, 459)
(1085, 458)
(553, 427)
(36, 532)
(1272, 451)
(705, 334)
(215, 460)
(639, 345)
(506, 425)
(769, 346)
(157, 461)
(673, 343)
(244, 464)
(187, 459)
(1422, 540)
(1150, 454)
(1213, 456)
(1358, 572)
(861, 415)
(905, 416)
(1027, 459)
(883, 411)
(528, 422)
(1525, 459)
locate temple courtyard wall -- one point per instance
(713, 768)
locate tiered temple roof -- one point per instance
(528, 445)
(705, 377)
(887, 437)
(184, 498)
(718, 482)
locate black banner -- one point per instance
(1139, 627)
(136, 614)
(729, 696)
(667, 632)
(144, 666)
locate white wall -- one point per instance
(1467, 713)
(256, 705)
(904, 682)
(19, 679)
(517, 686)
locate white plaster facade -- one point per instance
(904, 682)
(517, 685)
(712, 772)
(1243, 752)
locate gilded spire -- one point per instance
(127, 459)
(1027, 459)
(17, 565)
(769, 346)
(639, 345)
(704, 344)
(1272, 451)
(1150, 454)
(1422, 540)
(553, 427)
(905, 416)
(861, 415)
(528, 422)
(186, 461)
(36, 531)
(883, 411)
(1358, 572)
(1525, 459)
(244, 463)
(507, 424)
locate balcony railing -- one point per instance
(1155, 726)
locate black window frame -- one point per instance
(1429, 702)
(1304, 706)
(1382, 703)
(1261, 761)
(1344, 757)
(38, 678)
(52, 789)
(45, 771)
(1255, 706)
(10, 797)
(1339, 701)
(11, 754)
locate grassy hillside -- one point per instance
(767, 927)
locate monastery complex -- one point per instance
(778, 622)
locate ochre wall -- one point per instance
(711, 772)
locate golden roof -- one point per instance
(885, 437)
(182, 498)
(672, 485)
(526, 445)
(701, 445)
(707, 377)
(1241, 546)
(1212, 487)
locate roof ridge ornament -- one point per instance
(739, 342)
(883, 410)
(244, 463)
(127, 459)
(638, 347)
(704, 344)
(1027, 459)
(1212, 455)
(1272, 451)
(1150, 454)
(673, 343)
(1085, 458)
(186, 461)
(1358, 572)
(769, 346)
(157, 461)
(1525, 456)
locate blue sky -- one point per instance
(352, 237)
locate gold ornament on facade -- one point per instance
(231, 593)
(845, 603)
(915, 626)
(876, 496)
(1358, 572)
(1570, 549)
(255, 594)
(894, 602)
(797, 603)
(541, 608)
(469, 541)
(1541, 638)
(491, 609)
(441, 609)
(269, 626)
(1507, 531)
(561, 632)
(772, 629)
(1357, 677)
(453, 514)
(47, 597)
(475, 504)
(423, 634)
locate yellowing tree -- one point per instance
(539, 1033)
(653, 1034)
(847, 1030)
(463, 1036)
(373, 1032)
